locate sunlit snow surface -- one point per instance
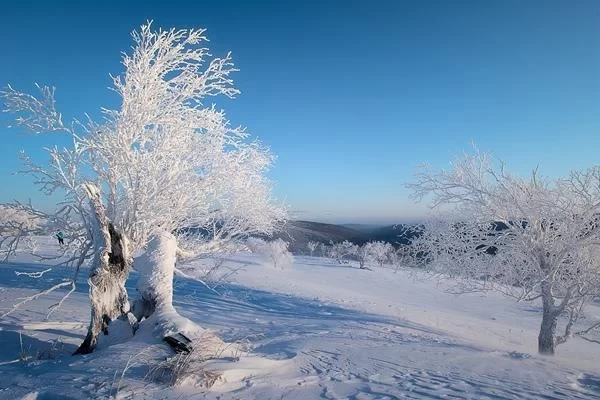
(314, 330)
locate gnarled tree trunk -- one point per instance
(111, 266)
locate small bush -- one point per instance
(275, 251)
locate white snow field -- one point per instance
(314, 330)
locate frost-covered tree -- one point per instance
(342, 252)
(14, 219)
(172, 161)
(16, 223)
(527, 238)
(312, 246)
(63, 175)
(396, 258)
(275, 251)
(362, 257)
(164, 163)
(377, 252)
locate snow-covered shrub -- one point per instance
(17, 223)
(378, 252)
(361, 257)
(14, 218)
(275, 251)
(256, 245)
(343, 252)
(312, 247)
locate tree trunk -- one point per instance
(111, 266)
(155, 303)
(546, 338)
(156, 268)
(155, 288)
(547, 332)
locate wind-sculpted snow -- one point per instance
(315, 330)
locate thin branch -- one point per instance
(35, 275)
(36, 296)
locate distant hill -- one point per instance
(299, 233)
(394, 234)
(362, 227)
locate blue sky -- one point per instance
(350, 95)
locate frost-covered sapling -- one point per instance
(377, 252)
(275, 251)
(312, 247)
(343, 252)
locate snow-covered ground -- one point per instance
(314, 330)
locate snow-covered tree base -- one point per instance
(154, 308)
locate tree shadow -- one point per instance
(590, 382)
(57, 274)
(259, 317)
(18, 345)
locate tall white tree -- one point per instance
(527, 238)
(171, 161)
(165, 162)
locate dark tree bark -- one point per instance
(546, 342)
(546, 338)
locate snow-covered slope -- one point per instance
(315, 330)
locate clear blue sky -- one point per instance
(350, 95)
